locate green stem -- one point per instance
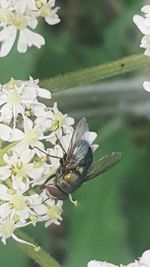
(96, 73)
(41, 257)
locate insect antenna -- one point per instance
(56, 157)
(60, 144)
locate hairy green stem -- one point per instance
(41, 257)
(96, 73)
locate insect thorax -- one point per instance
(72, 173)
(71, 179)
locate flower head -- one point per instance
(21, 18)
(27, 164)
(144, 261)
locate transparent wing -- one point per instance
(103, 164)
(83, 152)
(79, 131)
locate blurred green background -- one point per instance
(112, 221)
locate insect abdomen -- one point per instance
(70, 181)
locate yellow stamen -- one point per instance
(18, 20)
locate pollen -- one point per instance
(148, 39)
(16, 218)
(14, 98)
(45, 11)
(4, 14)
(11, 85)
(18, 20)
(10, 191)
(29, 113)
(43, 159)
(37, 164)
(55, 126)
(18, 202)
(31, 137)
(59, 120)
(54, 212)
(9, 153)
(7, 229)
(33, 218)
(38, 4)
(19, 169)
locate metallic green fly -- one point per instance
(77, 166)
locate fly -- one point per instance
(77, 166)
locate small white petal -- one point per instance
(145, 259)
(146, 9)
(146, 86)
(40, 209)
(7, 39)
(95, 263)
(4, 172)
(5, 132)
(52, 3)
(53, 19)
(27, 155)
(134, 264)
(16, 135)
(29, 38)
(140, 23)
(3, 192)
(44, 93)
(90, 137)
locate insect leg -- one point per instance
(75, 202)
(60, 144)
(47, 153)
(49, 178)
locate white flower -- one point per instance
(55, 122)
(18, 97)
(145, 43)
(31, 136)
(144, 261)
(23, 170)
(27, 164)
(22, 6)
(143, 23)
(22, 17)
(100, 264)
(27, 38)
(7, 228)
(9, 134)
(146, 86)
(46, 11)
(53, 210)
(133, 264)
(16, 204)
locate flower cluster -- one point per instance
(144, 261)
(25, 123)
(143, 23)
(22, 17)
(26, 126)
